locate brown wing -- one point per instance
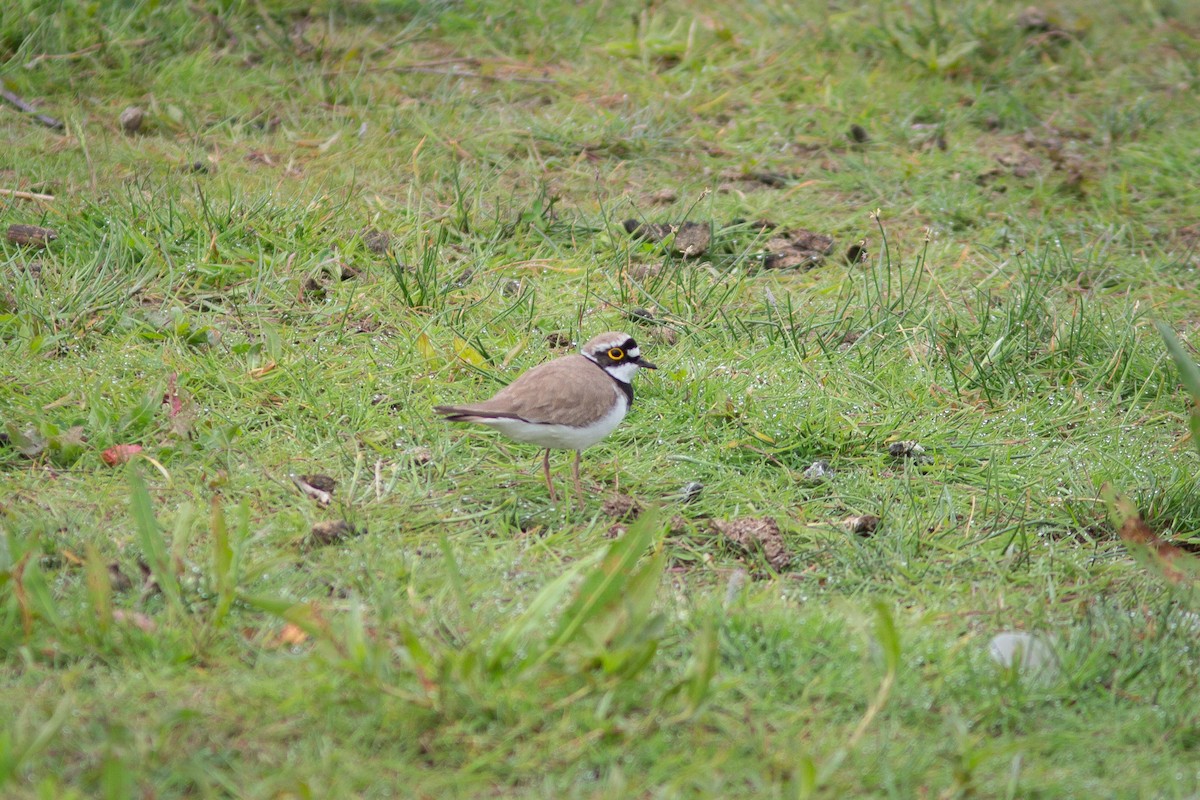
(569, 391)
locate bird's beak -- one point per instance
(644, 364)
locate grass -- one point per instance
(396, 203)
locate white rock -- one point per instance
(1030, 653)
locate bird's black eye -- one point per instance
(616, 354)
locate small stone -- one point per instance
(1029, 653)
(818, 471)
(737, 582)
(690, 492)
(131, 119)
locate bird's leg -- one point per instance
(546, 472)
(575, 475)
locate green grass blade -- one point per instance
(222, 562)
(1189, 373)
(607, 580)
(151, 539)
(457, 584)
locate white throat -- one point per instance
(623, 372)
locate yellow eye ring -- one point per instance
(616, 354)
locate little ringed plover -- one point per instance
(569, 403)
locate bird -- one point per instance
(569, 403)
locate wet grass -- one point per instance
(333, 219)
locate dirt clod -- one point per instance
(328, 532)
(798, 249)
(691, 239)
(664, 196)
(119, 581)
(857, 252)
(1033, 19)
(862, 524)
(621, 507)
(322, 482)
(378, 242)
(757, 226)
(558, 340)
(858, 134)
(756, 534)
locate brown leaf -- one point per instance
(120, 454)
(291, 635)
(259, 372)
(1176, 565)
(171, 398)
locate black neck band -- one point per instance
(627, 388)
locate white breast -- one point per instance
(563, 437)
